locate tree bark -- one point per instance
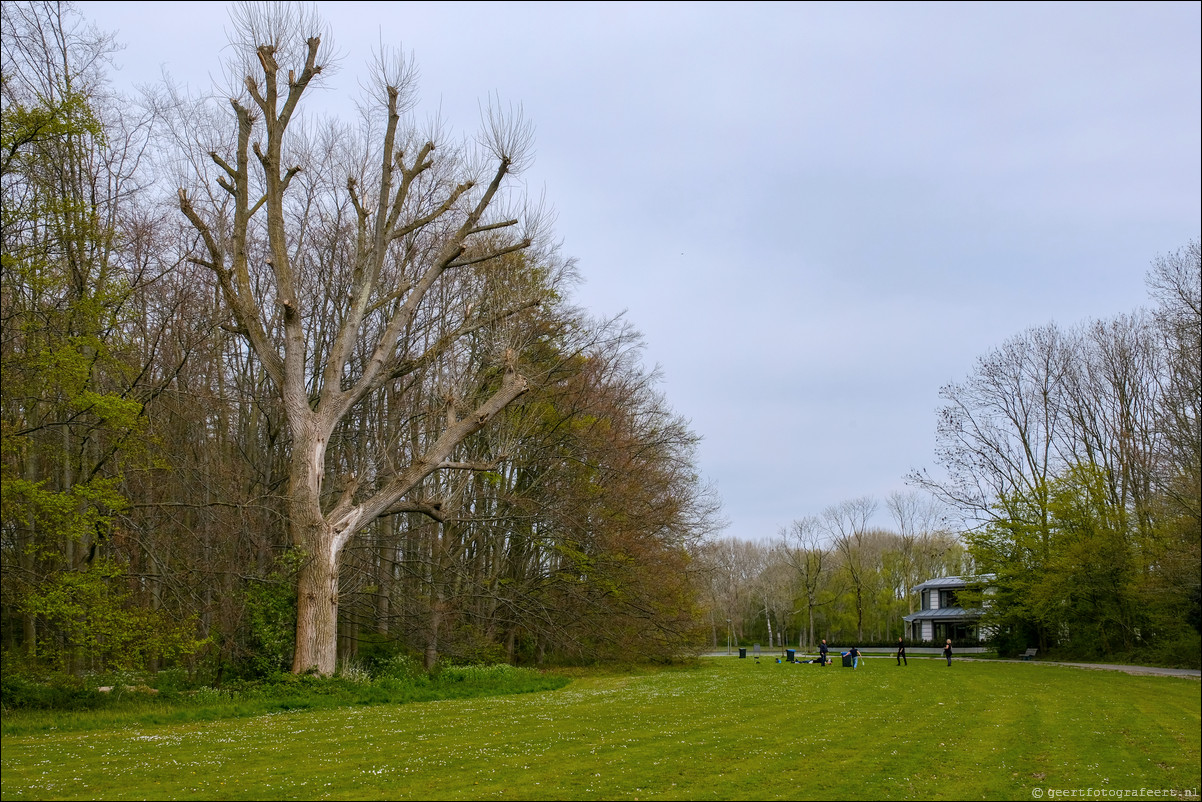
(317, 609)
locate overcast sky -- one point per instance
(817, 214)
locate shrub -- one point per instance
(91, 615)
(63, 692)
(400, 667)
(271, 608)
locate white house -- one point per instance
(942, 615)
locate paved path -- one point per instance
(1146, 670)
(1152, 670)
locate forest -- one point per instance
(281, 393)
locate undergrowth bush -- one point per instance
(60, 692)
(400, 666)
(63, 702)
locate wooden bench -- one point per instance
(1029, 653)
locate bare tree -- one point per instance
(918, 517)
(733, 568)
(1111, 398)
(1175, 282)
(390, 261)
(999, 433)
(774, 588)
(847, 525)
(802, 549)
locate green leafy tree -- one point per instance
(72, 409)
(1075, 584)
(1091, 576)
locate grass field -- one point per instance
(727, 729)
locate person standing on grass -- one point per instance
(947, 651)
(822, 650)
(855, 657)
(901, 652)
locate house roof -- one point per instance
(954, 582)
(945, 614)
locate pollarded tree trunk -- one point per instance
(320, 540)
(317, 610)
(322, 535)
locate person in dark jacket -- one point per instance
(822, 650)
(901, 652)
(947, 651)
(855, 657)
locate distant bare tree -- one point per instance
(918, 517)
(999, 433)
(847, 525)
(801, 546)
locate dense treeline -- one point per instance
(536, 498)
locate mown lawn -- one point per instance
(728, 729)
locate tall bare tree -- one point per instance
(999, 435)
(389, 260)
(1175, 282)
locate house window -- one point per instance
(956, 630)
(947, 598)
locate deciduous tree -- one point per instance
(392, 270)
